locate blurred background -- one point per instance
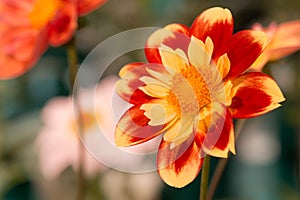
(267, 162)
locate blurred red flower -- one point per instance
(28, 27)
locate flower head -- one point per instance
(190, 91)
(28, 27)
(284, 40)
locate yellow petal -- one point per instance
(197, 54)
(176, 60)
(155, 90)
(179, 132)
(163, 77)
(209, 46)
(223, 65)
(158, 113)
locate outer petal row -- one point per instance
(217, 23)
(173, 35)
(180, 165)
(255, 94)
(214, 133)
(134, 76)
(242, 49)
(133, 128)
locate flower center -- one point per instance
(43, 11)
(190, 92)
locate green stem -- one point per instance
(222, 163)
(2, 131)
(204, 177)
(73, 68)
(72, 63)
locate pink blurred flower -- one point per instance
(58, 145)
(58, 140)
(284, 40)
(28, 27)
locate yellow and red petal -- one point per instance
(86, 6)
(198, 56)
(242, 49)
(157, 79)
(134, 79)
(159, 112)
(173, 35)
(217, 23)
(180, 28)
(255, 94)
(161, 74)
(128, 87)
(63, 26)
(155, 90)
(223, 65)
(225, 141)
(174, 60)
(214, 132)
(133, 128)
(181, 130)
(260, 62)
(179, 165)
(130, 68)
(130, 92)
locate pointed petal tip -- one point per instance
(119, 139)
(233, 151)
(281, 99)
(124, 139)
(176, 182)
(250, 87)
(261, 37)
(217, 153)
(127, 68)
(217, 9)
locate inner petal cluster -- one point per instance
(185, 90)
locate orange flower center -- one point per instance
(190, 92)
(43, 11)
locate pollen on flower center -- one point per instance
(189, 92)
(43, 11)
